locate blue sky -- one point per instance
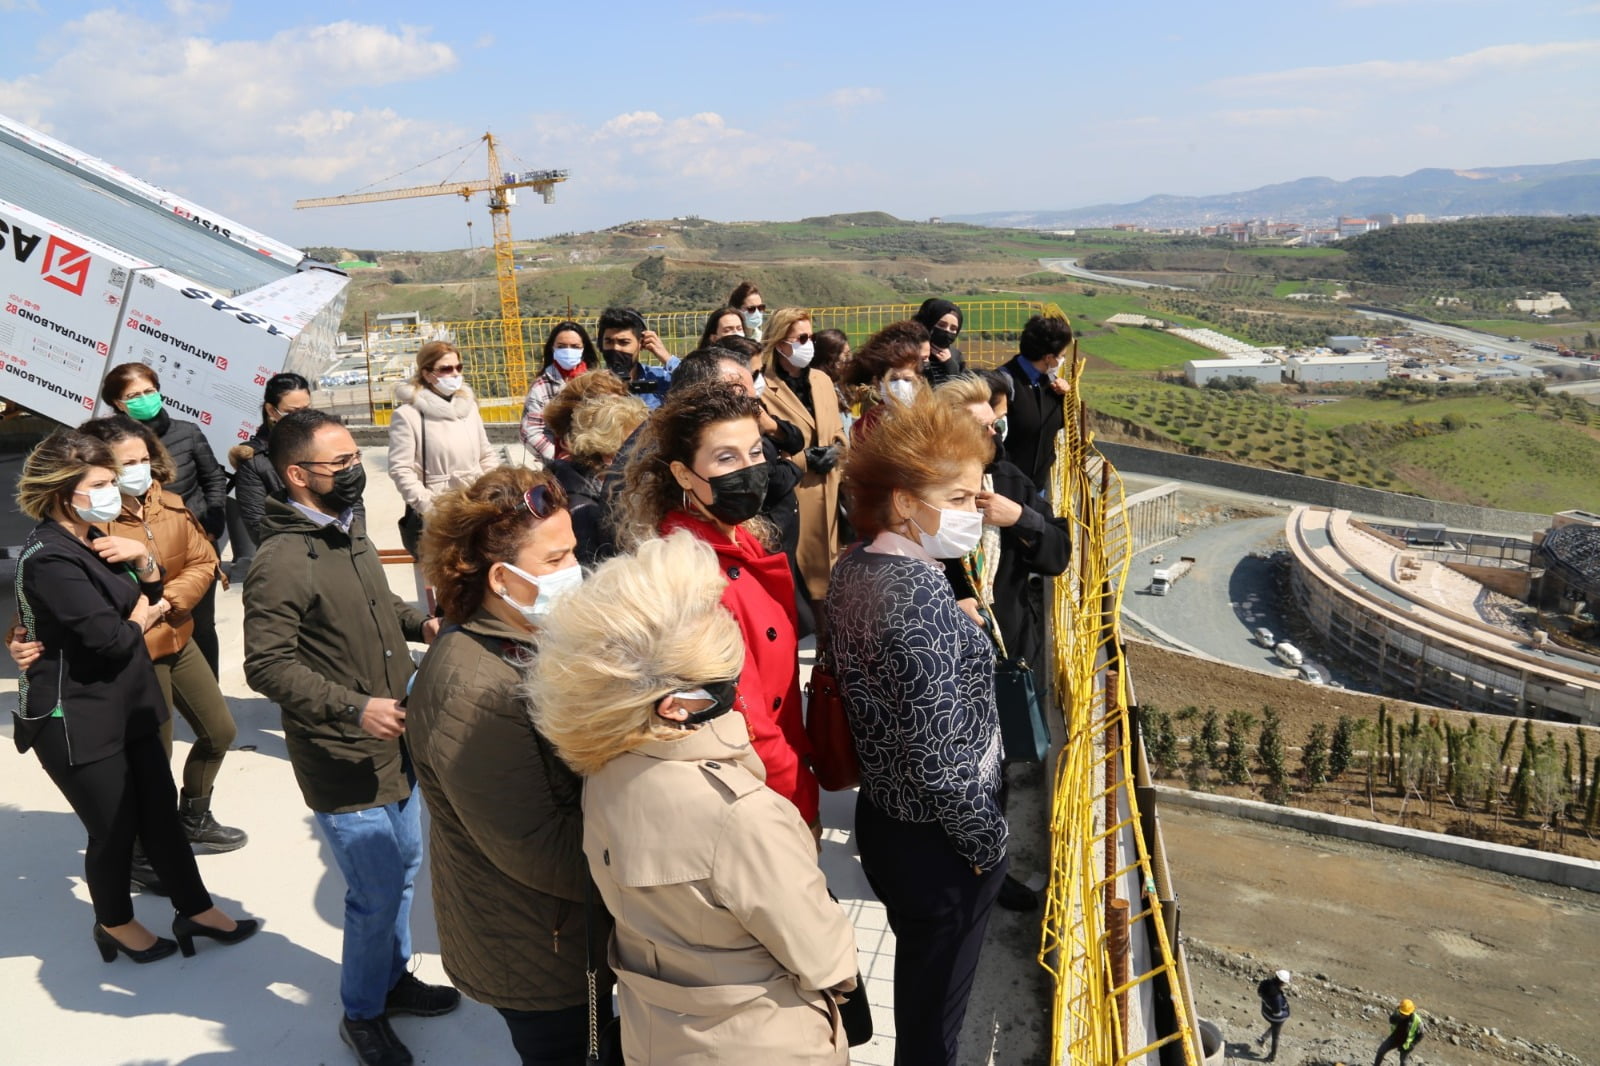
(745, 109)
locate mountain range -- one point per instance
(1571, 188)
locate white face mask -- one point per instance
(105, 504)
(800, 355)
(567, 358)
(755, 318)
(761, 383)
(959, 533)
(448, 386)
(900, 389)
(552, 587)
(134, 480)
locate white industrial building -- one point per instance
(1336, 368)
(1200, 371)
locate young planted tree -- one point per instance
(1341, 753)
(1211, 738)
(1591, 820)
(1390, 765)
(1521, 799)
(1269, 749)
(1583, 768)
(1473, 769)
(1314, 757)
(1421, 750)
(1505, 748)
(1548, 787)
(1236, 759)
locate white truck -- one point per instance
(1161, 581)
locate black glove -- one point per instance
(820, 460)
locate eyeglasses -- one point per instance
(538, 502)
(342, 462)
(756, 307)
(440, 369)
(804, 338)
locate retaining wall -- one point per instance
(1277, 484)
(1519, 862)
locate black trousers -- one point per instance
(205, 629)
(119, 798)
(552, 1037)
(938, 909)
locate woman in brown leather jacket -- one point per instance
(158, 520)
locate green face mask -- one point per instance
(144, 408)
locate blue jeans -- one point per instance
(379, 851)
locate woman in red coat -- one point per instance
(700, 467)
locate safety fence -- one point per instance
(989, 333)
(1120, 987)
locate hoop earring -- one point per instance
(686, 506)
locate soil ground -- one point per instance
(1502, 968)
(1172, 680)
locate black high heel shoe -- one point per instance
(109, 947)
(184, 930)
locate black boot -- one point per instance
(202, 829)
(143, 875)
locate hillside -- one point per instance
(1550, 189)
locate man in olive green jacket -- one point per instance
(325, 639)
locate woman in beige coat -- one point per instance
(436, 437)
(807, 398)
(727, 948)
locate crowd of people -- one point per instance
(607, 727)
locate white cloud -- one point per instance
(247, 113)
(750, 18)
(854, 97)
(635, 149)
(1273, 116)
(1388, 74)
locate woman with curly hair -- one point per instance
(700, 467)
(506, 836)
(887, 370)
(727, 948)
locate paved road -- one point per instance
(1476, 339)
(1218, 605)
(1070, 267)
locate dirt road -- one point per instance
(1503, 968)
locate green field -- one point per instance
(1519, 460)
(1134, 348)
(1528, 328)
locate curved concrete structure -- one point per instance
(1425, 629)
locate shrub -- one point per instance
(1314, 757)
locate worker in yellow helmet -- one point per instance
(1405, 1029)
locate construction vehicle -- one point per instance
(1161, 581)
(501, 186)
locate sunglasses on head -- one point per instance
(537, 501)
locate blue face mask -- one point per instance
(105, 504)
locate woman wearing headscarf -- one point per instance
(727, 948)
(942, 319)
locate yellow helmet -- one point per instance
(1407, 1007)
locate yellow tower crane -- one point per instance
(501, 186)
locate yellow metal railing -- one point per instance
(1094, 804)
(988, 337)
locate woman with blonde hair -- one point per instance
(727, 947)
(436, 437)
(506, 834)
(917, 676)
(700, 467)
(90, 706)
(806, 398)
(592, 436)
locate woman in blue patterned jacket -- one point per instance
(917, 676)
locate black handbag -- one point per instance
(605, 1040)
(856, 1014)
(411, 521)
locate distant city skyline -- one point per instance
(746, 110)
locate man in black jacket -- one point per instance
(1037, 409)
(1274, 1008)
(325, 639)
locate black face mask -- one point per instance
(737, 496)
(724, 693)
(619, 363)
(348, 486)
(941, 338)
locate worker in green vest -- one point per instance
(1405, 1030)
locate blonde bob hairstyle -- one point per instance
(54, 468)
(913, 449)
(600, 426)
(775, 330)
(963, 390)
(640, 628)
